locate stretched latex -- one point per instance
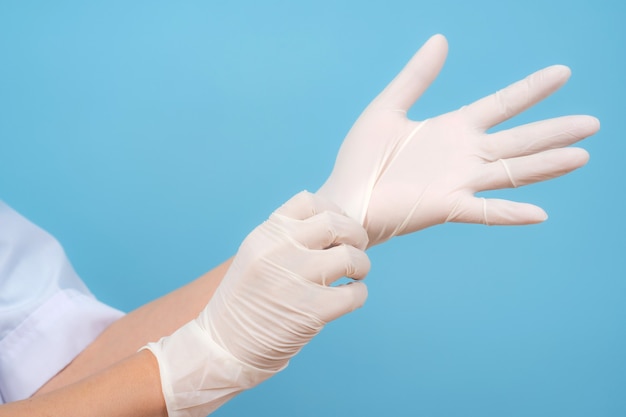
(397, 176)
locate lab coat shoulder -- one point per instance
(47, 313)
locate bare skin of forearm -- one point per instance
(148, 323)
(130, 388)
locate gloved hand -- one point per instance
(274, 298)
(397, 176)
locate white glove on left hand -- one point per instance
(275, 297)
(397, 176)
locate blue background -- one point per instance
(150, 137)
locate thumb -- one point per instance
(417, 75)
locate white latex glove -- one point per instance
(275, 297)
(397, 176)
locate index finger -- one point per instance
(329, 229)
(517, 97)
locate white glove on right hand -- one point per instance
(397, 176)
(274, 298)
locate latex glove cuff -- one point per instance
(195, 389)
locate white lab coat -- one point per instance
(47, 314)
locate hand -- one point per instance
(397, 176)
(275, 297)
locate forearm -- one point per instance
(147, 324)
(130, 388)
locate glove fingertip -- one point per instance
(505, 212)
(562, 71)
(581, 156)
(540, 214)
(531, 214)
(359, 293)
(440, 39)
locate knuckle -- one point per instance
(306, 197)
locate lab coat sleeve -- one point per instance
(47, 314)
